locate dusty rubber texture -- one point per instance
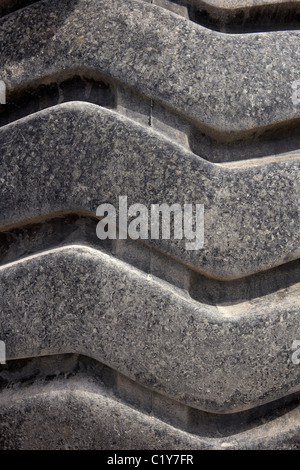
(43, 399)
(227, 83)
(256, 229)
(238, 16)
(129, 344)
(144, 329)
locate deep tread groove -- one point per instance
(33, 99)
(10, 6)
(279, 17)
(57, 232)
(21, 374)
(275, 141)
(135, 344)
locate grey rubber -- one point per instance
(143, 344)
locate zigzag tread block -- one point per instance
(250, 218)
(101, 417)
(122, 344)
(249, 89)
(101, 307)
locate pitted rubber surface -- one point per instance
(123, 344)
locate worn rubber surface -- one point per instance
(130, 344)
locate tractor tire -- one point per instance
(147, 343)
